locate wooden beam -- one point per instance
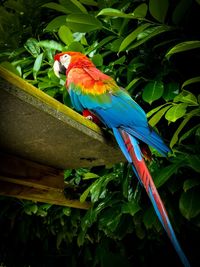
(40, 195)
(28, 173)
(24, 179)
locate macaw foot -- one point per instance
(90, 116)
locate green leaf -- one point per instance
(153, 91)
(32, 47)
(56, 23)
(130, 207)
(156, 118)
(49, 91)
(81, 238)
(30, 208)
(96, 189)
(126, 185)
(83, 23)
(186, 97)
(163, 175)
(72, 6)
(89, 2)
(59, 238)
(41, 212)
(146, 32)
(151, 112)
(189, 203)
(141, 11)
(7, 65)
(110, 220)
(191, 81)
(19, 69)
(66, 99)
(119, 61)
(175, 112)
(51, 44)
(37, 65)
(181, 47)
(132, 83)
(149, 218)
(66, 211)
(112, 12)
(65, 35)
(180, 10)
(114, 46)
(57, 7)
(15, 53)
(197, 133)
(174, 139)
(90, 175)
(102, 43)
(192, 113)
(135, 67)
(158, 9)
(151, 32)
(97, 59)
(188, 133)
(171, 90)
(132, 36)
(76, 46)
(67, 173)
(85, 194)
(15, 5)
(190, 183)
(79, 6)
(194, 162)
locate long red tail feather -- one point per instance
(145, 178)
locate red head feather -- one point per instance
(77, 59)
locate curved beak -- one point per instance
(57, 68)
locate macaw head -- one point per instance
(66, 60)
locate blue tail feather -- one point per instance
(150, 137)
(121, 144)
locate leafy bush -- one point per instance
(152, 49)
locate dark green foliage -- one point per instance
(152, 49)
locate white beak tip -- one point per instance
(56, 68)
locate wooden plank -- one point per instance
(39, 128)
(29, 180)
(46, 196)
(28, 173)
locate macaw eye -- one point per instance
(65, 60)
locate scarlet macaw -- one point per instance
(97, 94)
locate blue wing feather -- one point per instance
(119, 110)
(120, 141)
(128, 115)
